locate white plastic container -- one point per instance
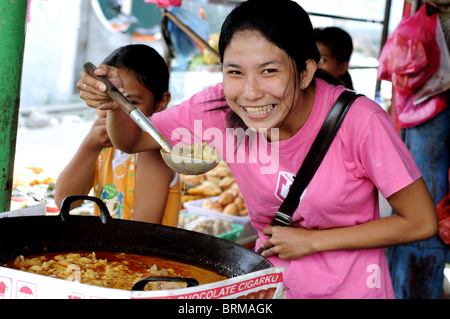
(195, 207)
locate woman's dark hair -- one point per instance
(283, 22)
(150, 68)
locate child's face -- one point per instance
(259, 81)
(329, 63)
(141, 97)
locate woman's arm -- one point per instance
(153, 179)
(77, 177)
(416, 220)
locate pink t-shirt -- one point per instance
(367, 155)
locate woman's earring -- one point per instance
(303, 84)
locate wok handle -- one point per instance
(112, 91)
(139, 286)
(65, 207)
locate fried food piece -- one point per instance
(231, 209)
(207, 188)
(225, 198)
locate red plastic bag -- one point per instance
(411, 54)
(165, 3)
(443, 211)
(410, 59)
(410, 114)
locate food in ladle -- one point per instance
(196, 151)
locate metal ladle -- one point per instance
(181, 164)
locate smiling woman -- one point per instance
(260, 85)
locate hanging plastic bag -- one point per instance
(443, 210)
(411, 54)
(439, 82)
(410, 57)
(410, 114)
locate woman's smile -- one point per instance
(259, 111)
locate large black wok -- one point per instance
(65, 233)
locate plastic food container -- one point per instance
(232, 235)
(195, 207)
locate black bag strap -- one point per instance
(314, 157)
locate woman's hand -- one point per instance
(415, 220)
(287, 242)
(93, 92)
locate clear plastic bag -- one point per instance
(439, 82)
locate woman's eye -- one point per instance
(235, 72)
(267, 71)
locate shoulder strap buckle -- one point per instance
(281, 219)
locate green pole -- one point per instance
(13, 15)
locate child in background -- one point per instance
(134, 186)
(335, 47)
